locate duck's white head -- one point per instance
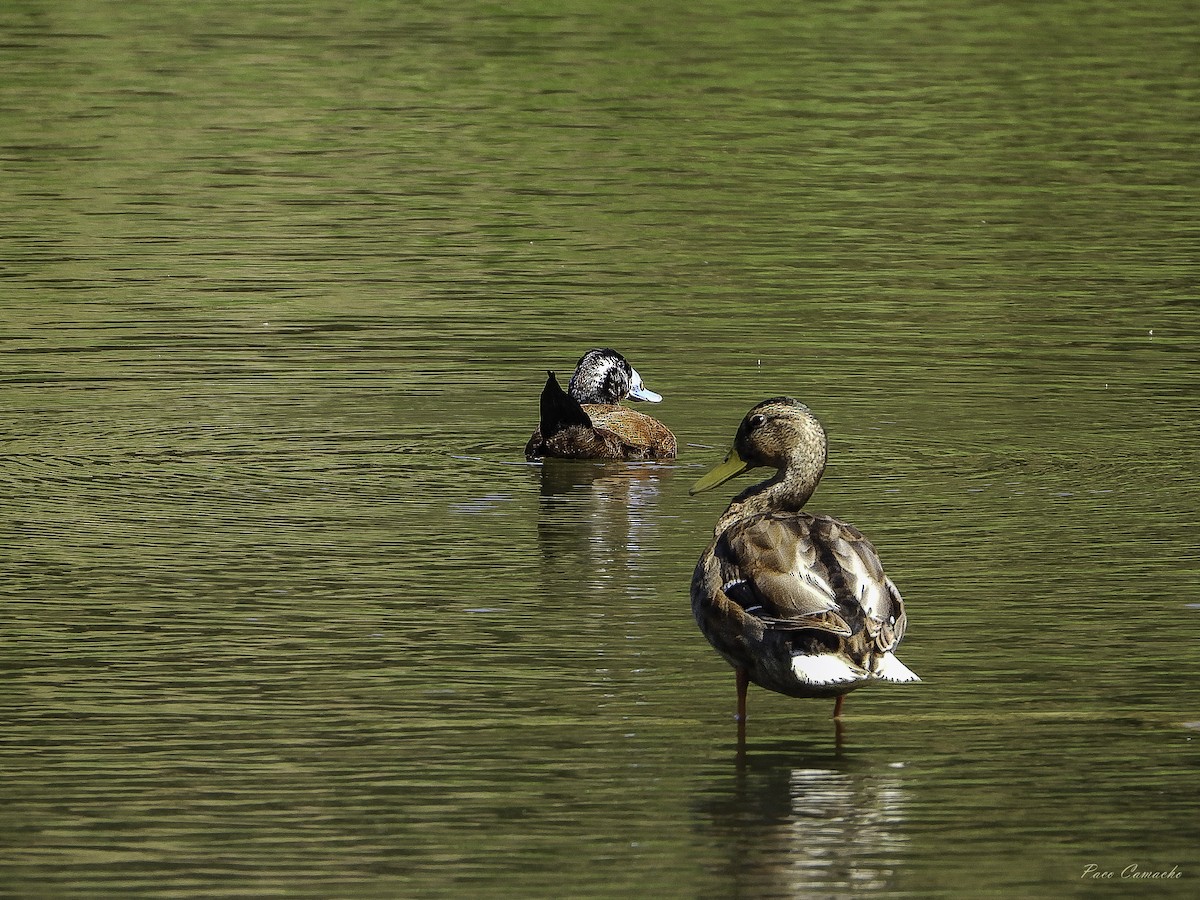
(605, 376)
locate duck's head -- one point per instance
(782, 434)
(604, 376)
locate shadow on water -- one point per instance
(791, 818)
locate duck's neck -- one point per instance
(786, 491)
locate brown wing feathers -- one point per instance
(803, 571)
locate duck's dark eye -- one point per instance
(758, 420)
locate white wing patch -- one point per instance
(889, 668)
(825, 669)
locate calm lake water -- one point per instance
(288, 614)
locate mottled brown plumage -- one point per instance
(616, 432)
(797, 603)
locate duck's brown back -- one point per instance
(617, 432)
(634, 429)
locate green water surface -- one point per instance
(288, 614)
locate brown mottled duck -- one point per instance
(587, 421)
(796, 602)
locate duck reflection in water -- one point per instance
(792, 828)
(797, 603)
(596, 521)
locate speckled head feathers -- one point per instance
(605, 376)
(780, 431)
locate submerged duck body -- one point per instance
(797, 603)
(587, 421)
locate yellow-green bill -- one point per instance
(719, 474)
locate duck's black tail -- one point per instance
(559, 410)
